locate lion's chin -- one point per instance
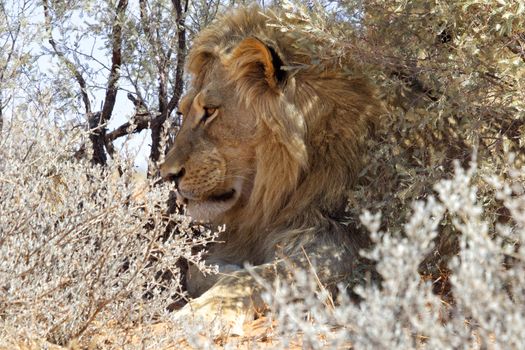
(209, 209)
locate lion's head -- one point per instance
(268, 137)
(213, 157)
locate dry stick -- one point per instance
(317, 280)
(103, 303)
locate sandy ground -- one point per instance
(258, 335)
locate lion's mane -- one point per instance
(311, 128)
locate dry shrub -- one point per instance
(404, 312)
(81, 245)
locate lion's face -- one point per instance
(212, 159)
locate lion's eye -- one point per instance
(209, 113)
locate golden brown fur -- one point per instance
(281, 139)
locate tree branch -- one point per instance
(181, 54)
(140, 122)
(178, 85)
(116, 61)
(99, 155)
(99, 136)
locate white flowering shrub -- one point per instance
(81, 245)
(486, 308)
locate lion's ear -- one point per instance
(253, 58)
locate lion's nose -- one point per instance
(174, 175)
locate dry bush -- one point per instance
(487, 281)
(452, 75)
(81, 245)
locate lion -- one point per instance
(270, 144)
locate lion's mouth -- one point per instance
(184, 197)
(223, 197)
(208, 208)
